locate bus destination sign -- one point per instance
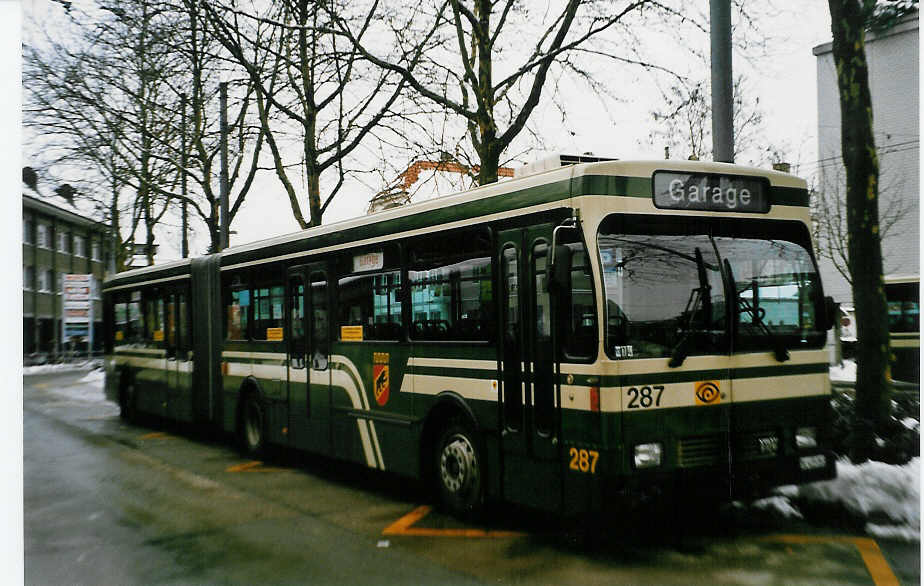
(708, 192)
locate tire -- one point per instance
(458, 471)
(252, 429)
(127, 402)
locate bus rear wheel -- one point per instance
(458, 471)
(252, 426)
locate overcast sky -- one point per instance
(783, 80)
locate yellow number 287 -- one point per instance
(583, 460)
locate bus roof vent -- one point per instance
(556, 161)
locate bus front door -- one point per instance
(308, 348)
(529, 410)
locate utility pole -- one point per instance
(184, 243)
(223, 234)
(723, 133)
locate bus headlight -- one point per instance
(805, 438)
(648, 455)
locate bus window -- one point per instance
(171, 321)
(656, 294)
(903, 307)
(154, 318)
(184, 341)
(320, 327)
(513, 392)
(120, 322)
(370, 302)
(577, 319)
(296, 334)
(135, 333)
(541, 338)
(268, 311)
(237, 312)
(450, 284)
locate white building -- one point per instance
(893, 75)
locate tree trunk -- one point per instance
(865, 263)
(490, 160)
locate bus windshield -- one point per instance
(668, 286)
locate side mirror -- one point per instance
(830, 313)
(560, 270)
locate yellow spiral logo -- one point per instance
(707, 392)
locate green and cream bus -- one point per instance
(559, 340)
(903, 296)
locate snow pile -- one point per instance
(847, 372)
(46, 368)
(887, 497)
(94, 376)
(779, 504)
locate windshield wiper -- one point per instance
(757, 315)
(702, 295)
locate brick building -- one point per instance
(57, 240)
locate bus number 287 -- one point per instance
(583, 460)
(645, 397)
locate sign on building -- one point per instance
(77, 310)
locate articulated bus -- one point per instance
(559, 341)
(903, 296)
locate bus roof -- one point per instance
(559, 184)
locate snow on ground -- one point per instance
(843, 373)
(94, 376)
(46, 368)
(887, 497)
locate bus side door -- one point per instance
(179, 359)
(529, 411)
(308, 350)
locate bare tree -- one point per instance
(684, 125)
(306, 76)
(101, 103)
(829, 217)
(490, 60)
(197, 94)
(117, 97)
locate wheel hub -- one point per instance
(457, 464)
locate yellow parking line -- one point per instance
(155, 435)
(869, 550)
(252, 466)
(404, 526)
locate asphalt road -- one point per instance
(106, 502)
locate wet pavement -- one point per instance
(107, 502)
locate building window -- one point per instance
(28, 274)
(27, 236)
(46, 277)
(43, 236)
(80, 246)
(63, 242)
(59, 285)
(97, 249)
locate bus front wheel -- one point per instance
(252, 436)
(458, 470)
